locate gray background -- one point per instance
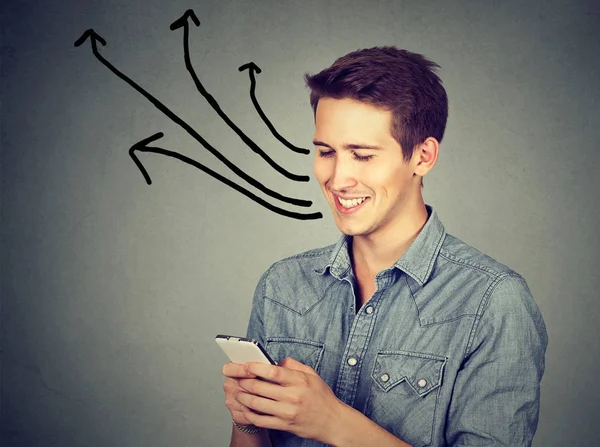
(112, 290)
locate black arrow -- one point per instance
(183, 22)
(142, 146)
(255, 69)
(95, 38)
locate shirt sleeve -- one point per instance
(256, 322)
(497, 391)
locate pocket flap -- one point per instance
(304, 351)
(423, 372)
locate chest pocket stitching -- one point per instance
(400, 366)
(307, 307)
(313, 351)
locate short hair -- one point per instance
(393, 79)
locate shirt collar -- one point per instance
(417, 261)
(420, 257)
(339, 262)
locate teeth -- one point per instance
(352, 202)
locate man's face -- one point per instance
(360, 167)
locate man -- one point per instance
(399, 334)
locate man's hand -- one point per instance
(234, 372)
(291, 397)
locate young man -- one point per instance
(399, 334)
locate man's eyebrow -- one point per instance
(348, 145)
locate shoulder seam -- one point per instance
(307, 254)
(483, 305)
(466, 263)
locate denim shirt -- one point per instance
(448, 351)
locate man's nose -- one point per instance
(343, 176)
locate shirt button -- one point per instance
(369, 310)
(422, 383)
(385, 378)
(352, 361)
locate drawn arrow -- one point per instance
(143, 146)
(255, 69)
(95, 39)
(184, 22)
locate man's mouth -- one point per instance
(349, 206)
(351, 203)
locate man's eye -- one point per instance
(326, 153)
(362, 157)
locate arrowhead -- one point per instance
(250, 66)
(140, 145)
(183, 20)
(143, 143)
(94, 37)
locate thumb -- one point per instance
(290, 363)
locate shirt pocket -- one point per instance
(403, 396)
(305, 351)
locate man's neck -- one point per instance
(379, 251)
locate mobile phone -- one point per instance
(242, 349)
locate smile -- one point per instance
(351, 203)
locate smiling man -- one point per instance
(399, 334)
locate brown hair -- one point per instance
(397, 80)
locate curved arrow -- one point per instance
(95, 38)
(252, 69)
(183, 22)
(142, 146)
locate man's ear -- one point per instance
(425, 156)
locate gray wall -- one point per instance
(112, 290)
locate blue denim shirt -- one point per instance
(448, 351)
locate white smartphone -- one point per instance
(242, 350)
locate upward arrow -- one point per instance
(252, 68)
(255, 69)
(184, 22)
(94, 38)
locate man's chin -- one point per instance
(350, 225)
(349, 230)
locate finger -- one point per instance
(233, 405)
(234, 370)
(263, 420)
(264, 406)
(263, 388)
(231, 389)
(238, 416)
(291, 363)
(272, 373)
(229, 385)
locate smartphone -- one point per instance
(242, 350)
